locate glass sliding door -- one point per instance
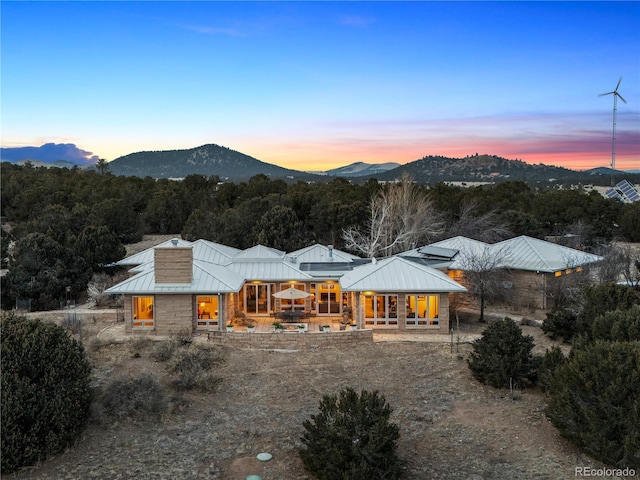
(255, 298)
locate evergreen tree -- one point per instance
(351, 438)
(595, 403)
(46, 395)
(502, 356)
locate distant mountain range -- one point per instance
(49, 153)
(361, 169)
(230, 165)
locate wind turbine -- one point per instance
(615, 111)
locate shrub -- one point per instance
(140, 344)
(139, 398)
(192, 367)
(502, 356)
(619, 325)
(595, 403)
(560, 323)
(607, 297)
(163, 351)
(352, 438)
(46, 394)
(577, 318)
(550, 362)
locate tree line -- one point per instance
(66, 225)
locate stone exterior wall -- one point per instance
(173, 313)
(128, 313)
(293, 340)
(173, 264)
(528, 290)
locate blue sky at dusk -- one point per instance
(316, 85)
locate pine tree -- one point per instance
(351, 438)
(502, 356)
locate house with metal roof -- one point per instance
(203, 286)
(536, 268)
(399, 293)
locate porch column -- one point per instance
(358, 312)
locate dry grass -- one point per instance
(451, 426)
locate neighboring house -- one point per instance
(180, 285)
(537, 268)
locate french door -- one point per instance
(256, 298)
(328, 298)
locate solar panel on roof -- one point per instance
(628, 191)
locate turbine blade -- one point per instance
(621, 97)
(603, 94)
(618, 84)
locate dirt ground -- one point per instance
(452, 427)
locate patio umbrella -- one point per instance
(291, 294)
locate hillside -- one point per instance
(211, 159)
(360, 169)
(480, 168)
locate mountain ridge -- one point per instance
(232, 165)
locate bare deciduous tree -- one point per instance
(621, 263)
(400, 217)
(484, 274)
(486, 227)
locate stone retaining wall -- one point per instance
(291, 341)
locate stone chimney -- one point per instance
(173, 264)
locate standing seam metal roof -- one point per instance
(397, 274)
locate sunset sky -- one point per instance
(317, 85)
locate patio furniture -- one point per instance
(291, 315)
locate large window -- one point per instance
(255, 298)
(422, 310)
(381, 310)
(142, 309)
(328, 298)
(207, 311)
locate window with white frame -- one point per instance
(142, 309)
(381, 310)
(207, 311)
(422, 310)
